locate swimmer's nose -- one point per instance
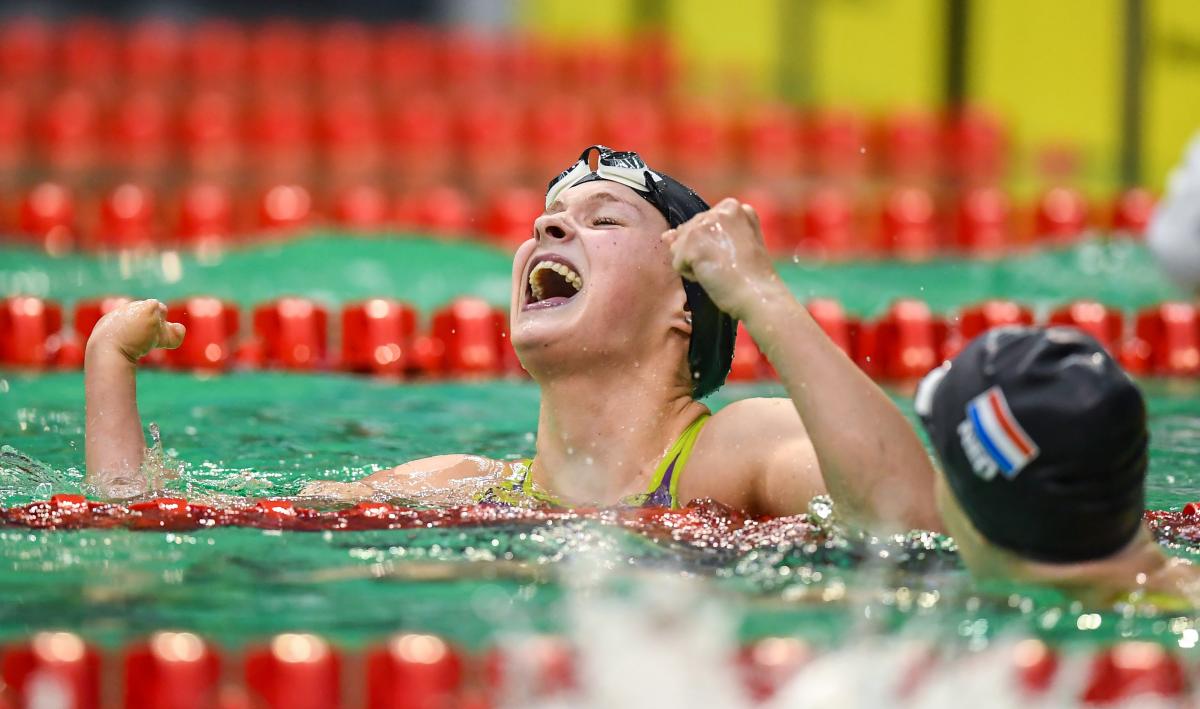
(552, 227)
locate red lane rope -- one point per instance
(703, 522)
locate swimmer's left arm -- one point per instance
(871, 460)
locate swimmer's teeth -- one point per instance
(568, 274)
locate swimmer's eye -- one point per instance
(605, 221)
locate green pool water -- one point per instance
(266, 434)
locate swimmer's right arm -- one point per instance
(114, 441)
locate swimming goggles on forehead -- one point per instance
(622, 167)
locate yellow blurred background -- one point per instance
(1109, 87)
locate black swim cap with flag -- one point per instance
(1042, 438)
(710, 352)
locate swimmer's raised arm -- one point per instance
(115, 443)
(872, 462)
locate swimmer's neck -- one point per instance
(1140, 566)
(601, 432)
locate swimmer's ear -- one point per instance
(681, 320)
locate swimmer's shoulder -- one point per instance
(754, 454)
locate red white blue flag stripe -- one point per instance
(999, 432)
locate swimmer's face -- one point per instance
(595, 282)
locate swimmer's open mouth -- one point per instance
(552, 282)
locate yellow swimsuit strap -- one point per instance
(663, 490)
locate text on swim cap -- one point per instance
(993, 439)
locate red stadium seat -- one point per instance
(1035, 664)
(469, 334)
(295, 672)
(468, 58)
(983, 222)
(769, 663)
(212, 134)
(978, 319)
(69, 132)
(904, 344)
(345, 54)
(48, 216)
(217, 53)
(492, 127)
(1172, 333)
(749, 363)
(281, 131)
(654, 66)
(776, 227)
(829, 225)
(377, 336)
(14, 131)
(141, 134)
(771, 142)
(153, 52)
(602, 66)
(285, 208)
(205, 213)
(1132, 211)
(702, 138)
(26, 51)
(910, 223)
(29, 331)
(636, 123)
(61, 660)
(351, 136)
(560, 126)
(171, 670)
(88, 312)
(536, 667)
(836, 324)
(1061, 214)
(421, 132)
(363, 207)
(976, 147)
(911, 144)
(528, 62)
(292, 333)
(510, 214)
(407, 58)
(280, 53)
(127, 218)
(443, 211)
(212, 328)
(89, 48)
(838, 143)
(414, 672)
(1135, 669)
(1105, 324)
(510, 363)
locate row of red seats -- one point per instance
(171, 670)
(77, 131)
(906, 222)
(909, 339)
(469, 337)
(158, 52)
(417, 671)
(379, 335)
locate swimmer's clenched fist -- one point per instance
(134, 329)
(114, 442)
(723, 250)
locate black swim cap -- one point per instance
(710, 351)
(1042, 438)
